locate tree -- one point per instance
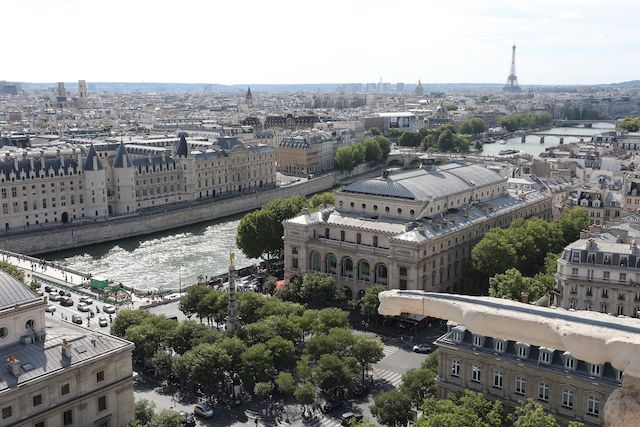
(329, 318)
(473, 126)
(375, 132)
(282, 351)
(167, 418)
(630, 124)
(127, 318)
(208, 364)
(532, 414)
(318, 289)
(249, 304)
(189, 303)
(418, 384)
(338, 342)
(12, 270)
(189, 334)
(373, 153)
(334, 373)
(263, 390)
(257, 364)
(385, 146)
(163, 362)
(144, 411)
(326, 198)
(344, 159)
(469, 410)
(450, 106)
(285, 383)
(367, 350)
(256, 333)
(410, 139)
(305, 393)
(149, 336)
(493, 254)
(571, 223)
(369, 303)
(256, 234)
(234, 347)
(392, 408)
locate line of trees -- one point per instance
(517, 121)
(571, 112)
(630, 124)
(523, 257)
(281, 348)
(260, 232)
(374, 150)
(445, 138)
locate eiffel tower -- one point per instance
(512, 80)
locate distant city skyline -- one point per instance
(280, 42)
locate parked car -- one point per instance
(83, 307)
(83, 298)
(66, 301)
(63, 293)
(103, 322)
(88, 301)
(347, 418)
(54, 297)
(187, 419)
(109, 309)
(47, 288)
(76, 318)
(203, 410)
(422, 348)
(40, 292)
(50, 308)
(51, 290)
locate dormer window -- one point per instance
(607, 260)
(575, 256)
(569, 361)
(595, 369)
(545, 355)
(478, 340)
(619, 375)
(457, 333)
(591, 258)
(499, 345)
(522, 350)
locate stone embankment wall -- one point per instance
(30, 242)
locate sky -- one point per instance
(329, 41)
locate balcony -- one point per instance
(362, 249)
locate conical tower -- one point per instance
(233, 322)
(512, 80)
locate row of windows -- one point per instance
(48, 174)
(67, 416)
(520, 386)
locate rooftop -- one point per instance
(13, 292)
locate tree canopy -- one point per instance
(473, 126)
(517, 121)
(374, 150)
(630, 124)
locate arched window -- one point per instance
(363, 270)
(332, 264)
(382, 274)
(347, 267)
(315, 261)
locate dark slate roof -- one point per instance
(13, 292)
(146, 162)
(50, 163)
(122, 159)
(228, 143)
(88, 163)
(182, 150)
(208, 155)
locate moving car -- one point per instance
(203, 410)
(103, 322)
(76, 318)
(88, 301)
(422, 348)
(109, 309)
(83, 307)
(63, 293)
(348, 417)
(66, 301)
(55, 297)
(187, 419)
(50, 308)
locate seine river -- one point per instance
(162, 260)
(532, 141)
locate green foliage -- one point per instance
(285, 383)
(392, 408)
(263, 390)
(369, 303)
(525, 121)
(144, 411)
(445, 138)
(282, 351)
(511, 284)
(189, 334)
(418, 384)
(469, 410)
(333, 372)
(257, 362)
(532, 414)
(12, 270)
(326, 198)
(410, 139)
(167, 418)
(473, 126)
(374, 150)
(367, 350)
(630, 124)
(318, 289)
(305, 393)
(207, 365)
(375, 132)
(450, 106)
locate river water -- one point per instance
(161, 260)
(532, 143)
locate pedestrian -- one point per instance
(256, 421)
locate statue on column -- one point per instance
(233, 322)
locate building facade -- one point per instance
(77, 183)
(600, 272)
(58, 374)
(568, 388)
(302, 155)
(411, 230)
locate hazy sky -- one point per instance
(327, 41)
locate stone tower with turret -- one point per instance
(124, 195)
(186, 164)
(95, 188)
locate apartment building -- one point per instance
(58, 374)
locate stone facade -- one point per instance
(388, 231)
(306, 154)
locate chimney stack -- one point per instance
(66, 348)
(524, 297)
(14, 365)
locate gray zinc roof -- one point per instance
(13, 292)
(88, 163)
(122, 159)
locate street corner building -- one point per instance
(56, 373)
(408, 230)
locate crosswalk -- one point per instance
(388, 350)
(393, 378)
(323, 421)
